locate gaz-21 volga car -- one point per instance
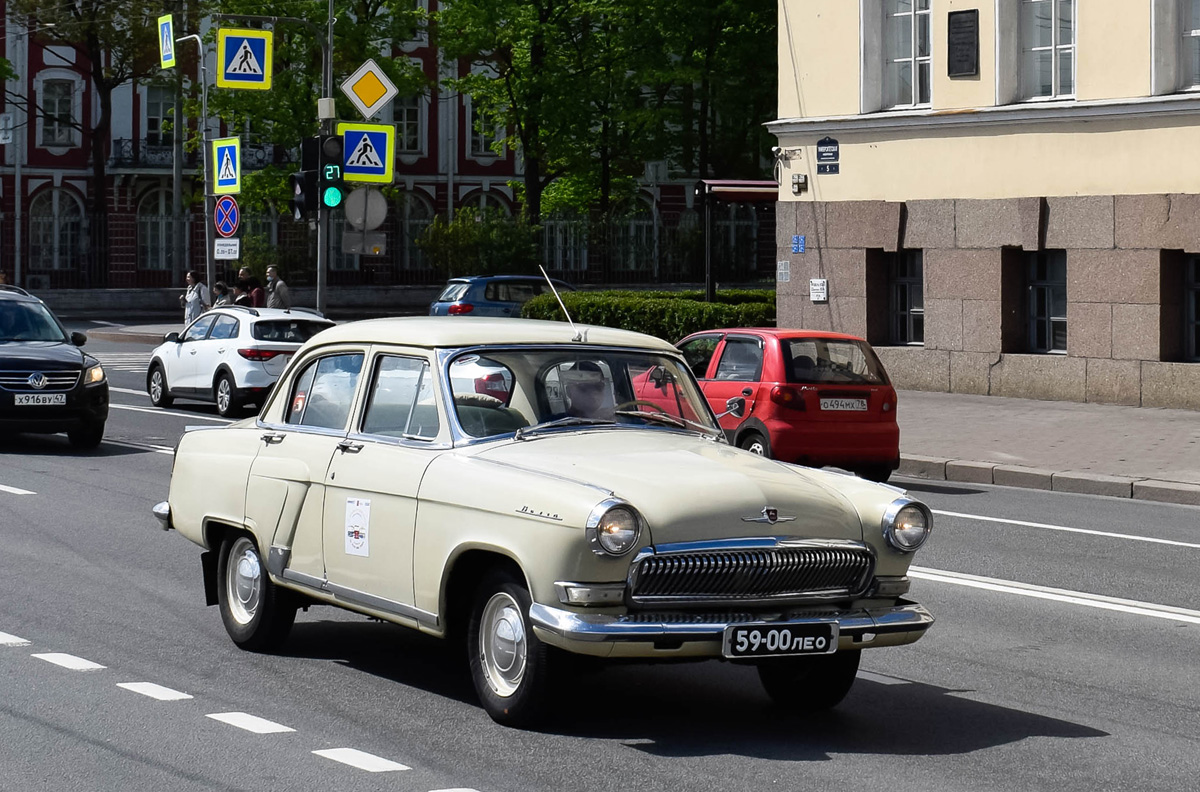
(497, 482)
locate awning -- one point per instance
(738, 191)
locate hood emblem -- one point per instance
(769, 515)
(37, 380)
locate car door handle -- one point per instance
(272, 438)
(221, 351)
(192, 352)
(349, 448)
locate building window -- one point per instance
(407, 115)
(1191, 318)
(1189, 49)
(55, 227)
(907, 63)
(907, 292)
(1048, 47)
(1047, 279)
(485, 132)
(416, 213)
(57, 120)
(155, 228)
(160, 104)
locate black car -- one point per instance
(47, 383)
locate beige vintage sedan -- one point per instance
(537, 490)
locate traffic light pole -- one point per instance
(326, 117)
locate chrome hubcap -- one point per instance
(502, 644)
(243, 581)
(756, 447)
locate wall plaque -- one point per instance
(962, 51)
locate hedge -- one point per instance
(667, 315)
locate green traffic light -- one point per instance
(332, 197)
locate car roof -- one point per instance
(16, 294)
(781, 332)
(260, 314)
(463, 331)
(481, 278)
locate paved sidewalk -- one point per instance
(1099, 449)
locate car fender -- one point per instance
(751, 425)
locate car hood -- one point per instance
(40, 355)
(689, 488)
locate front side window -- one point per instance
(1048, 48)
(907, 63)
(324, 392)
(907, 289)
(199, 329)
(1047, 278)
(402, 400)
(1191, 318)
(57, 121)
(698, 353)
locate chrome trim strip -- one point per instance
(597, 514)
(362, 598)
(889, 522)
(304, 579)
(277, 559)
(597, 628)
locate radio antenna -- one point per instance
(579, 335)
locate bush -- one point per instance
(668, 315)
(479, 243)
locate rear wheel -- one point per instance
(226, 396)
(509, 665)
(160, 396)
(755, 444)
(89, 436)
(809, 684)
(258, 615)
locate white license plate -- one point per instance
(858, 405)
(773, 640)
(26, 399)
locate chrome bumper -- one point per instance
(163, 512)
(861, 627)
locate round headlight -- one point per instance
(906, 525)
(613, 529)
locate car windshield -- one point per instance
(287, 331)
(453, 292)
(836, 361)
(504, 391)
(28, 321)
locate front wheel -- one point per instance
(509, 665)
(258, 616)
(809, 684)
(160, 396)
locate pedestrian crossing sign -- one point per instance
(244, 57)
(226, 166)
(368, 152)
(166, 41)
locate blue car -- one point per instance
(490, 295)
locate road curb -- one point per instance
(1072, 481)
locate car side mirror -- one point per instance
(171, 337)
(736, 406)
(78, 339)
(660, 377)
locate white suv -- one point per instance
(230, 356)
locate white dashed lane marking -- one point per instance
(69, 661)
(361, 760)
(154, 691)
(251, 723)
(15, 490)
(12, 640)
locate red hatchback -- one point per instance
(812, 398)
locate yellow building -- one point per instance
(1003, 196)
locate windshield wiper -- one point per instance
(570, 420)
(674, 420)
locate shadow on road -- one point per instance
(940, 489)
(58, 446)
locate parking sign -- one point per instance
(368, 152)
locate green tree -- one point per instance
(116, 42)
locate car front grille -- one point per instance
(56, 381)
(788, 572)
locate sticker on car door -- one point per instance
(358, 527)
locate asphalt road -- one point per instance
(1063, 659)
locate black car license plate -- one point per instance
(773, 640)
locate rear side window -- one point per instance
(511, 291)
(225, 327)
(402, 400)
(832, 361)
(288, 331)
(741, 361)
(453, 292)
(324, 392)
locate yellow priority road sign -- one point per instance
(244, 59)
(369, 89)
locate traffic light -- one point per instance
(304, 193)
(329, 178)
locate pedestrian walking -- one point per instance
(221, 295)
(196, 300)
(277, 290)
(258, 296)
